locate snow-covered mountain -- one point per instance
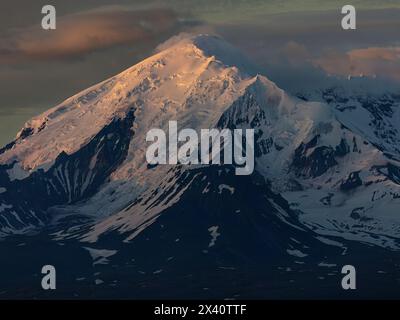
(325, 180)
(99, 134)
(368, 211)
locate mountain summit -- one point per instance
(202, 73)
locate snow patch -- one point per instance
(214, 235)
(222, 187)
(100, 256)
(296, 253)
(5, 206)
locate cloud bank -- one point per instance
(368, 62)
(80, 34)
(373, 61)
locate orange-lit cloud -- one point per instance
(83, 33)
(389, 54)
(373, 61)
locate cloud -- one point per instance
(382, 62)
(82, 33)
(172, 41)
(295, 53)
(389, 54)
(372, 61)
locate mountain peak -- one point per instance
(192, 79)
(213, 46)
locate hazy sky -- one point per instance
(294, 42)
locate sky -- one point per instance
(296, 43)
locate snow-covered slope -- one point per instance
(182, 83)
